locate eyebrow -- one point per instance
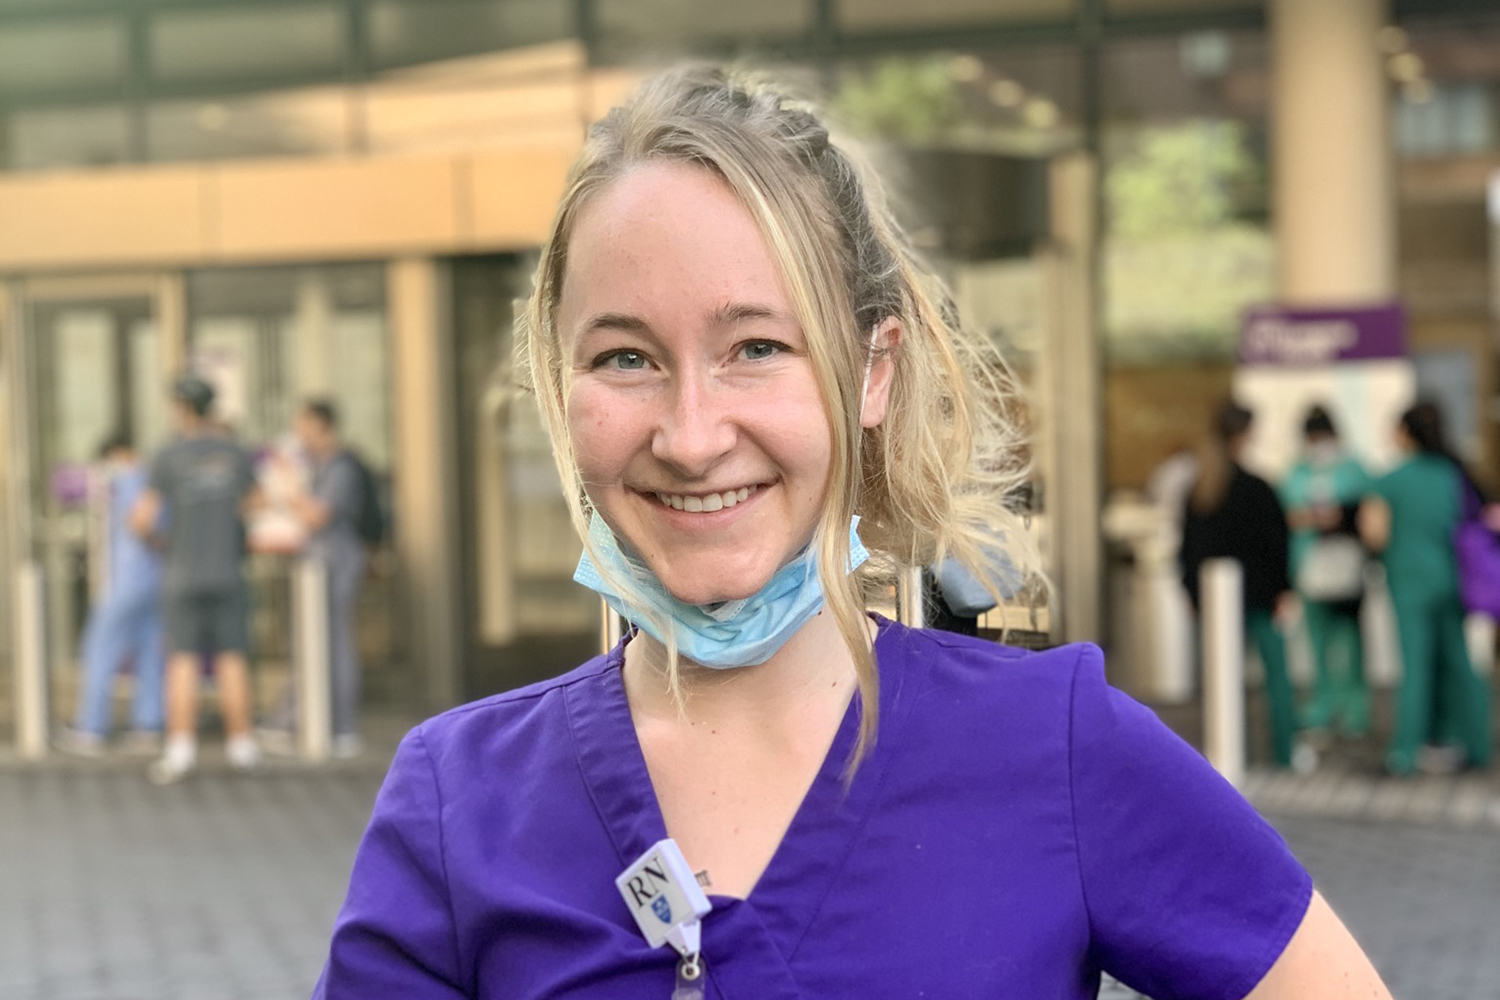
(615, 321)
(734, 312)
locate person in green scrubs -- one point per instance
(1322, 494)
(1410, 519)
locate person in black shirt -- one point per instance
(1232, 514)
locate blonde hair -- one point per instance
(940, 473)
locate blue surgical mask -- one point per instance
(739, 633)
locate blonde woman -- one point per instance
(737, 356)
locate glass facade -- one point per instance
(271, 338)
(238, 43)
(525, 616)
(409, 32)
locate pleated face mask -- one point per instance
(739, 633)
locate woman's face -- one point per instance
(694, 413)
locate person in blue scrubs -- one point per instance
(124, 628)
(751, 383)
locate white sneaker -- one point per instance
(243, 753)
(347, 747)
(1304, 759)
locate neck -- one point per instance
(813, 667)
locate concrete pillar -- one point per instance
(1333, 174)
(426, 474)
(1073, 429)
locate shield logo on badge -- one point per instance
(662, 907)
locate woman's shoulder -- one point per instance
(967, 674)
(522, 714)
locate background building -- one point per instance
(343, 197)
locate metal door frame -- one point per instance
(20, 589)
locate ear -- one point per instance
(887, 344)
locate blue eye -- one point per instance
(759, 350)
(628, 361)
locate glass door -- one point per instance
(89, 363)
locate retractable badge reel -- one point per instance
(668, 905)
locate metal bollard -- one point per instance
(31, 661)
(909, 607)
(611, 627)
(1221, 605)
(310, 653)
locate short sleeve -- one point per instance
(339, 489)
(1190, 893)
(395, 936)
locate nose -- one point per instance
(695, 429)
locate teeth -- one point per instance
(705, 504)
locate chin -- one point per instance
(712, 587)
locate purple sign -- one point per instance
(1302, 338)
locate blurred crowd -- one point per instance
(173, 603)
(1306, 545)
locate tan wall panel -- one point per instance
(244, 212)
(514, 194)
(342, 207)
(114, 217)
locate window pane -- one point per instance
(667, 24)
(66, 54)
(404, 32)
(876, 15)
(1178, 6)
(303, 122)
(69, 137)
(234, 44)
(1187, 242)
(1022, 101)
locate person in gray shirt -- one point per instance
(331, 510)
(208, 483)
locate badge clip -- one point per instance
(663, 894)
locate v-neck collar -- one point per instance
(823, 830)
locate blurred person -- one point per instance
(1410, 520)
(1233, 514)
(747, 377)
(1170, 483)
(1322, 494)
(124, 626)
(207, 481)
(737, 356)
(330, 511)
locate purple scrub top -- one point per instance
(1018, 827)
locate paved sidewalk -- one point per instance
(226, 886)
